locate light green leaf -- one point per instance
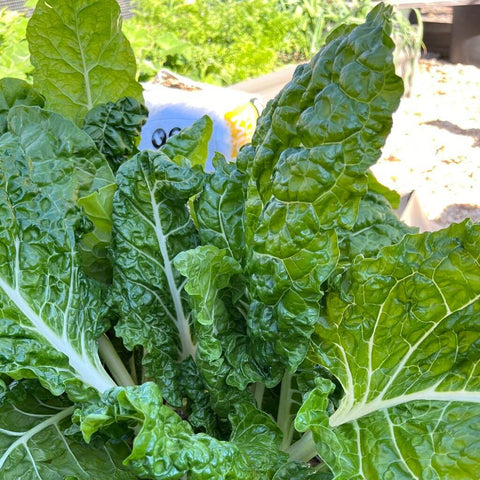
(80, 57)
(151, 224)
(35, 443)
(16, 92)
(191, 142)
(402, 338)
(93, 246)
(167, 448)
(115, 128)
(48, 309)
(308, 172)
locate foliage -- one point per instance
(216, 41)
(14, 56)
(268, 320)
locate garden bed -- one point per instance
(434, 147)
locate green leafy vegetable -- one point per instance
(167, 448)
(34, 438)
(151, 225)
(270, 320)
(401, 338)
(74, 69)
(49, 309)
(191, 142)
(308, 167)
(115, 128)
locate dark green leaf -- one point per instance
(311, 152)
(115, 128)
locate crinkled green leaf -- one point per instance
(167, 448)
(58, 151)
(14, 91)
(223, 348)
(115, 128)
(376, 227)
(49, 310)
(64, 162)
(35, 443)
(311, 152)
(80, 57)
(402, 336)
(191, 142)
(219, 208)
(151, 224)
(197, 405)
(300, 471)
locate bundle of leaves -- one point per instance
(269, 320)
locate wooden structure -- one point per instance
(465, 30)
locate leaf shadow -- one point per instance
(453, 128)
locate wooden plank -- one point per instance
(465, 45)
(432, 3)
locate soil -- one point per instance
(434, 146)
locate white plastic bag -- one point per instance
(175, 102)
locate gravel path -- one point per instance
(434, 147)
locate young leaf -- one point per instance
(151, 224)
(84, 60)
(312, 149)
(402, 338)
(191, 142)
(115, 128)
(34, 440)
(223, 348)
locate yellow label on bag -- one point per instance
(242, 122)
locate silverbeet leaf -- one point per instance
(115, 128)
(191, 142)
(151, 225)
(80, 56)
(219, 208)
(308, 172)
(64, 162)
(35, 443)
(166, 448)
(48, 308)
(402, 337)
(223, 347)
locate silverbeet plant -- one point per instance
(271, 319)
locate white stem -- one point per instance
(284, 417)
(259, 389)
(114, 363)
(303, 450)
